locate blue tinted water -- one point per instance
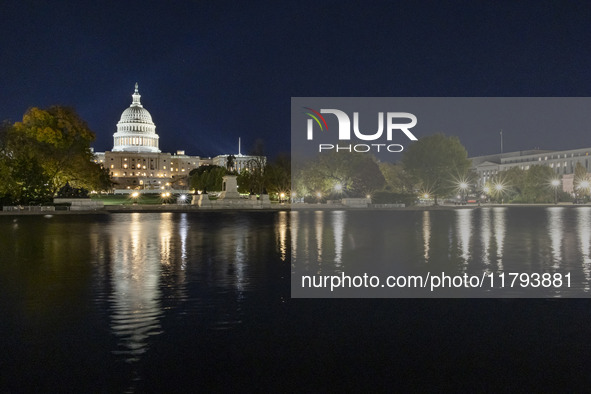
(200, 302)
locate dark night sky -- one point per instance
(210, 72)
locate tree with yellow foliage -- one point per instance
(47, 149)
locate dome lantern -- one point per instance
(136, 98)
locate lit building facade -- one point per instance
(136, 162)
(136, 132)
(563, 163)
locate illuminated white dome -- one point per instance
(135, 131)
(136, 114)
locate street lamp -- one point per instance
(463, 187)
(555, 183)
(338, 187)
(584, 186)
(499, 189)
(134, 197)
(281, 197)
(486, 191)
(165, 196)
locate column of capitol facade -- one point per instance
(136, 162)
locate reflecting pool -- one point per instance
(194, 302)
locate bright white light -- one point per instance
(486, 189)
(338, 187)
(135, 194)
(318, 194)
(183, 197)
(463, 185)
(555, 182)
(584, 185)
(426, 195)
(282, 195)
(499, 187)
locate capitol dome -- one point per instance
(136, 132)
(136, 114)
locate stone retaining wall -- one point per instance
(80, 204)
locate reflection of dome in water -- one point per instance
(135, 131)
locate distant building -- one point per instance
(136, 162)
(561, 162)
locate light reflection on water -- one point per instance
(464, 231)
(112, 287)
(339, 219)
(172, 262)
(474, 241)
(426, 234)
(293, 233)
(281, 230)
(499, 234)
(147, 269)
(137, 258)
(584, 242)
(319, 227)
(555, 232)
(136, 286)
(485, 235)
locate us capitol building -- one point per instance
(136, 162)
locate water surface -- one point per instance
(186, 302)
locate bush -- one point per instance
(72, 192)
(385, 197)
(314, 200)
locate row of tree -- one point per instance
(50, 150)
(47, 150)
(434, 167)
(538, 184)
(258, 177)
